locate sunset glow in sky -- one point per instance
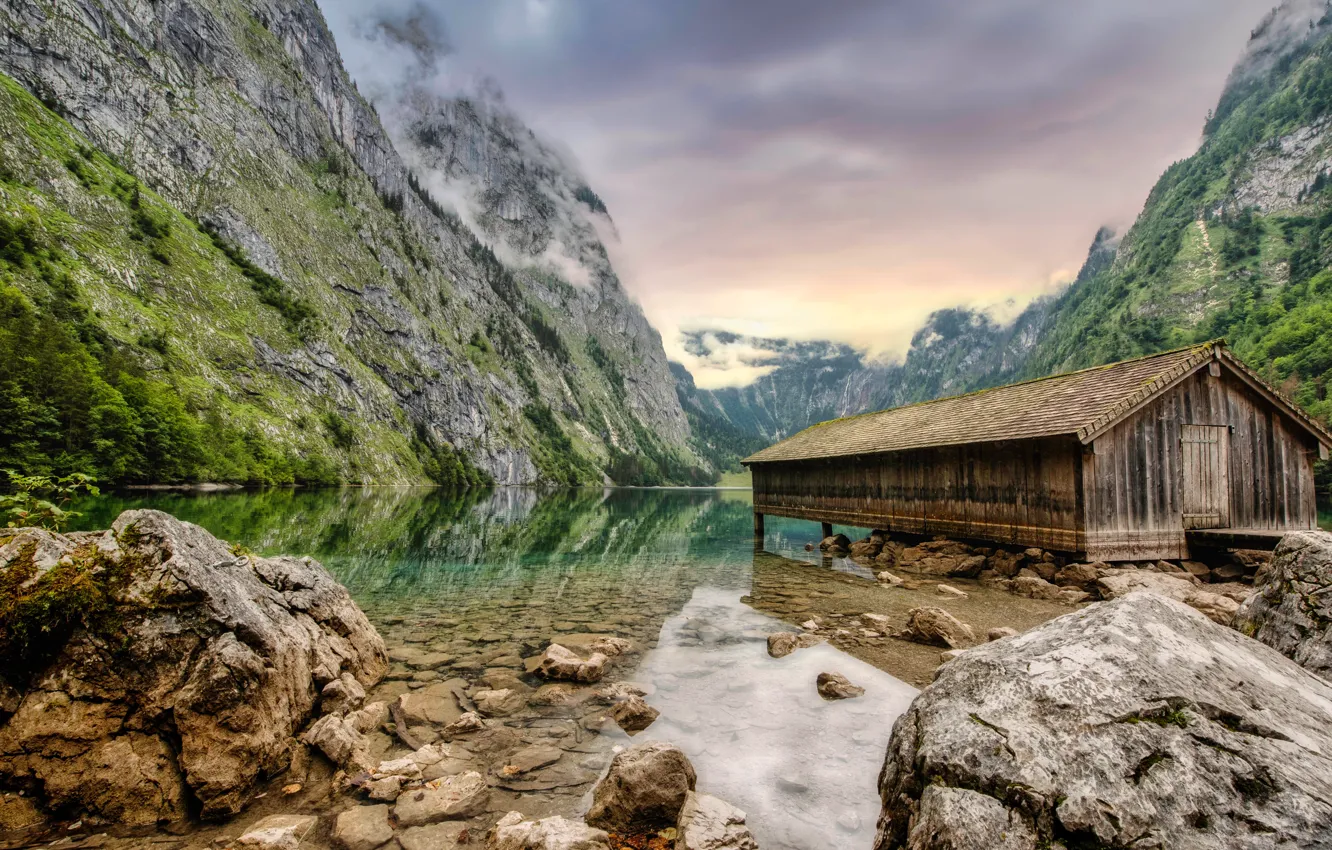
(838, 170)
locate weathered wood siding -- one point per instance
(1021, 493)
(1135, 474)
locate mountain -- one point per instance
(219, 262)
(1234, 241)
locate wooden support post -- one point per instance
(827, 531)
(758, 525)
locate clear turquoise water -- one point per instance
(501, 573)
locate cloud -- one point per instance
(842, 169)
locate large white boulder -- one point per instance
(1292, 608)
(1136, 722)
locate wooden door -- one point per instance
(1206, 464)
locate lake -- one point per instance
(482, 580)
(463, 588)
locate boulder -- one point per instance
(1121, 582)
(1198, 570)
(449, 798)
(220, 659)
(834, 686)
(362, 828)
(499, 703)
(1004, 563)
(341, 695)
(936, 627)
(837, 542)
(644, 789)
(942, 558)
(634, 715)
(1137, 722)
(1081, 576)
(1034, 587)
(891, 553)
(869, 548)
(437, 704)
(782, 644)
(559, 662)
(340, 742)
(1291, 610)
(553, 833)
(707, 823)
(277, 832)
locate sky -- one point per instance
(838, 170)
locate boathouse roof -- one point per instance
(1083, 404)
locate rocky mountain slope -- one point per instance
(1235, 242)
(235, 272)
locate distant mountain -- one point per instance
(219, 261)
(1234, 241)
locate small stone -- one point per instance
(499, 703)
(782, 644)
(881, 621)
(467, 723)
(634, 714)
(450, 798)
(889, 579)
(553, 833)
(435, 836)
(529, 759)
(386, 789)
(278, 832)
(362, 828)
(949, 590)
(949, 654)
(1000, 632)
(834, 686)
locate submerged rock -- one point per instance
(559, 662)
(278, 832)
(936, 627)
(1291, 610)
(362, 828)
(449, 798)
(1136, 722)
(833, 686)
(644, 790)
(707, 823)
(219, 660)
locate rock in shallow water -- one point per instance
(554, 833)
(559, 662)
(707, 823)
(1291, 610)
(1136, 722)
(223, 661)
(278, 832)
(644, 789)
(936, 627)
(833, 686)
(362, 828)
(450, 798)
(634, 714)
(782, 644)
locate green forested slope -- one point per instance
(1234, 242)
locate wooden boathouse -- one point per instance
(1132, 461)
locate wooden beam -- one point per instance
(758, 525)
(827, 530)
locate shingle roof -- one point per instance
(1080, 404)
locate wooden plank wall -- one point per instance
(1134, 475)
(1021, 493)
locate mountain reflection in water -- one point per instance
(508, 565)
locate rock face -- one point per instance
(1136, 722)
(1292, 608)
(644, 790)
(223, 661)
